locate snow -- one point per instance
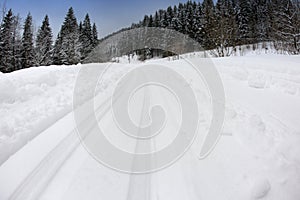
(257, 156)
(31, 100)
(260, 188)
(257, 80)
(7, 88)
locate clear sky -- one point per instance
(109, 15)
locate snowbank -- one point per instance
(257, 156)
(33, 99)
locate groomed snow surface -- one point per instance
(257, 157)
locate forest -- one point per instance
(219, 27)
(21, 48)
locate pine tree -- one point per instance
(145, 22)
(175, 19)
(181, 18)
(86, 37)
(67, 48)
(156, 20)
(27, 44)
(169, 17)
(163, 23)
(57, 55)
(197, 24)
(261, 20)
(95, 35)
(16, 43)
(44, 44)
(189, 17)
(209, 31)
(80, 28)
(6, 49)
(287, 25)
(151, 22)
(245, 20)
(226, 27)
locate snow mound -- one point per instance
(257, 80)
(7, 90)
(49, 79)
(240, 74)
(260, 188)
(257, 123)
(291, 90)
(5, 131)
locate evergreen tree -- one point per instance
(27, 44)
(151, 22)
(175, 19)
(145, 21)
(169, 17)
(16, 43)
(181, 18)
(226, 27)
(6, 49)
(287, 25)
(156, 20)
(67, 48)
(95, 35)
(44, 44)
(189, 18)
(163, 23)
(86, 37)
(57, 51)
(245, 20)
(261, 20)
(209, 31)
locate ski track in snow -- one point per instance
(256, 158)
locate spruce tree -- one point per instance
(86, 37)
(287, 25)
(16, 43)
(156, 20)
(44, 44)
(226, 27)
(68, 43)
(175, 19)
(6, 49)
(245, 20)
(197, 25)
(27, 44)
(151, 22)
(95, 35)
(57, 55)
(209, 31)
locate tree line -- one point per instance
(20, 48)
(226, 24)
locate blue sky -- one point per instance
(109, 15)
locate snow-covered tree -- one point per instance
(57, 51)
(226, 28)
(44, 44)
(209, 24)
(17, 43)
(67, 47)
(245, 20)
(286, 25)
(6, 49)
(28, 57)
(86, 37)
(95, 35)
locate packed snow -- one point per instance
(257, 157)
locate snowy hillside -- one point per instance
(257, 157)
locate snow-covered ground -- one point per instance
(257, 157)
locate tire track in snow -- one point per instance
(140, 185)
(38, 180)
